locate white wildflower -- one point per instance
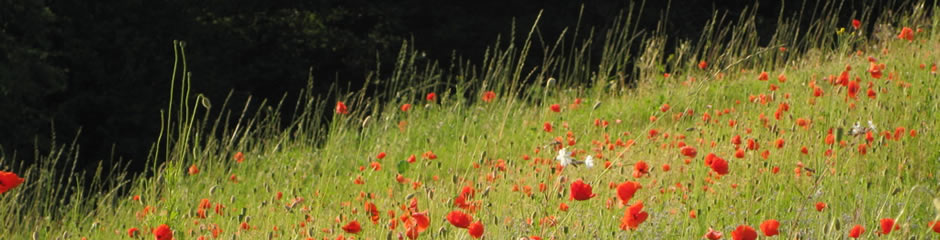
(563, 157)
(857, 129)
(871, 126)
(589, 161)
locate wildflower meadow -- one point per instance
(825, 135)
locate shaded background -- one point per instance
(104, 66)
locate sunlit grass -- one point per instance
(299, 181)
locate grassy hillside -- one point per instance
(722, 134)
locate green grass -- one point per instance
(473, 138)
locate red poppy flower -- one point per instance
(555, 108)
(429, 155)
(626, 190)
(887, 224)
(702, 65)
(459, 219)
(906, 33)
(653, 133)
(405, 107)
(461, 202)
(204, 203)
(779, 143)
(132, 232)
(352, 227)
(341, 108)
(875, 71)
(373, 212)
(719, 165)
(689, 151)
(475, 229)
(820, 206)
(633, 216)
(163, 232)
(744, 232)
(817, 92)
(664, 108)
(488, 96)
(830, 139)
(201, 213)
(769, 227)
(802, 122)
(431, 96)
(357, 181)
(239, 157)
(640, 169)
(401, 179)
(781, 78)
(547, 127)
(869, 136)
(763, 76)
(416, 223)
(468, 191)
(709, 158)
(193, 170)
(563, 207)
(843, 78)
(712, 234)
(581, 191)
(783, 107)
(935, 226)
(853, 89)
(856, 23)
(898, 133)
(219, 207)
(752, 144)
(736, 140)
(856, 231)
